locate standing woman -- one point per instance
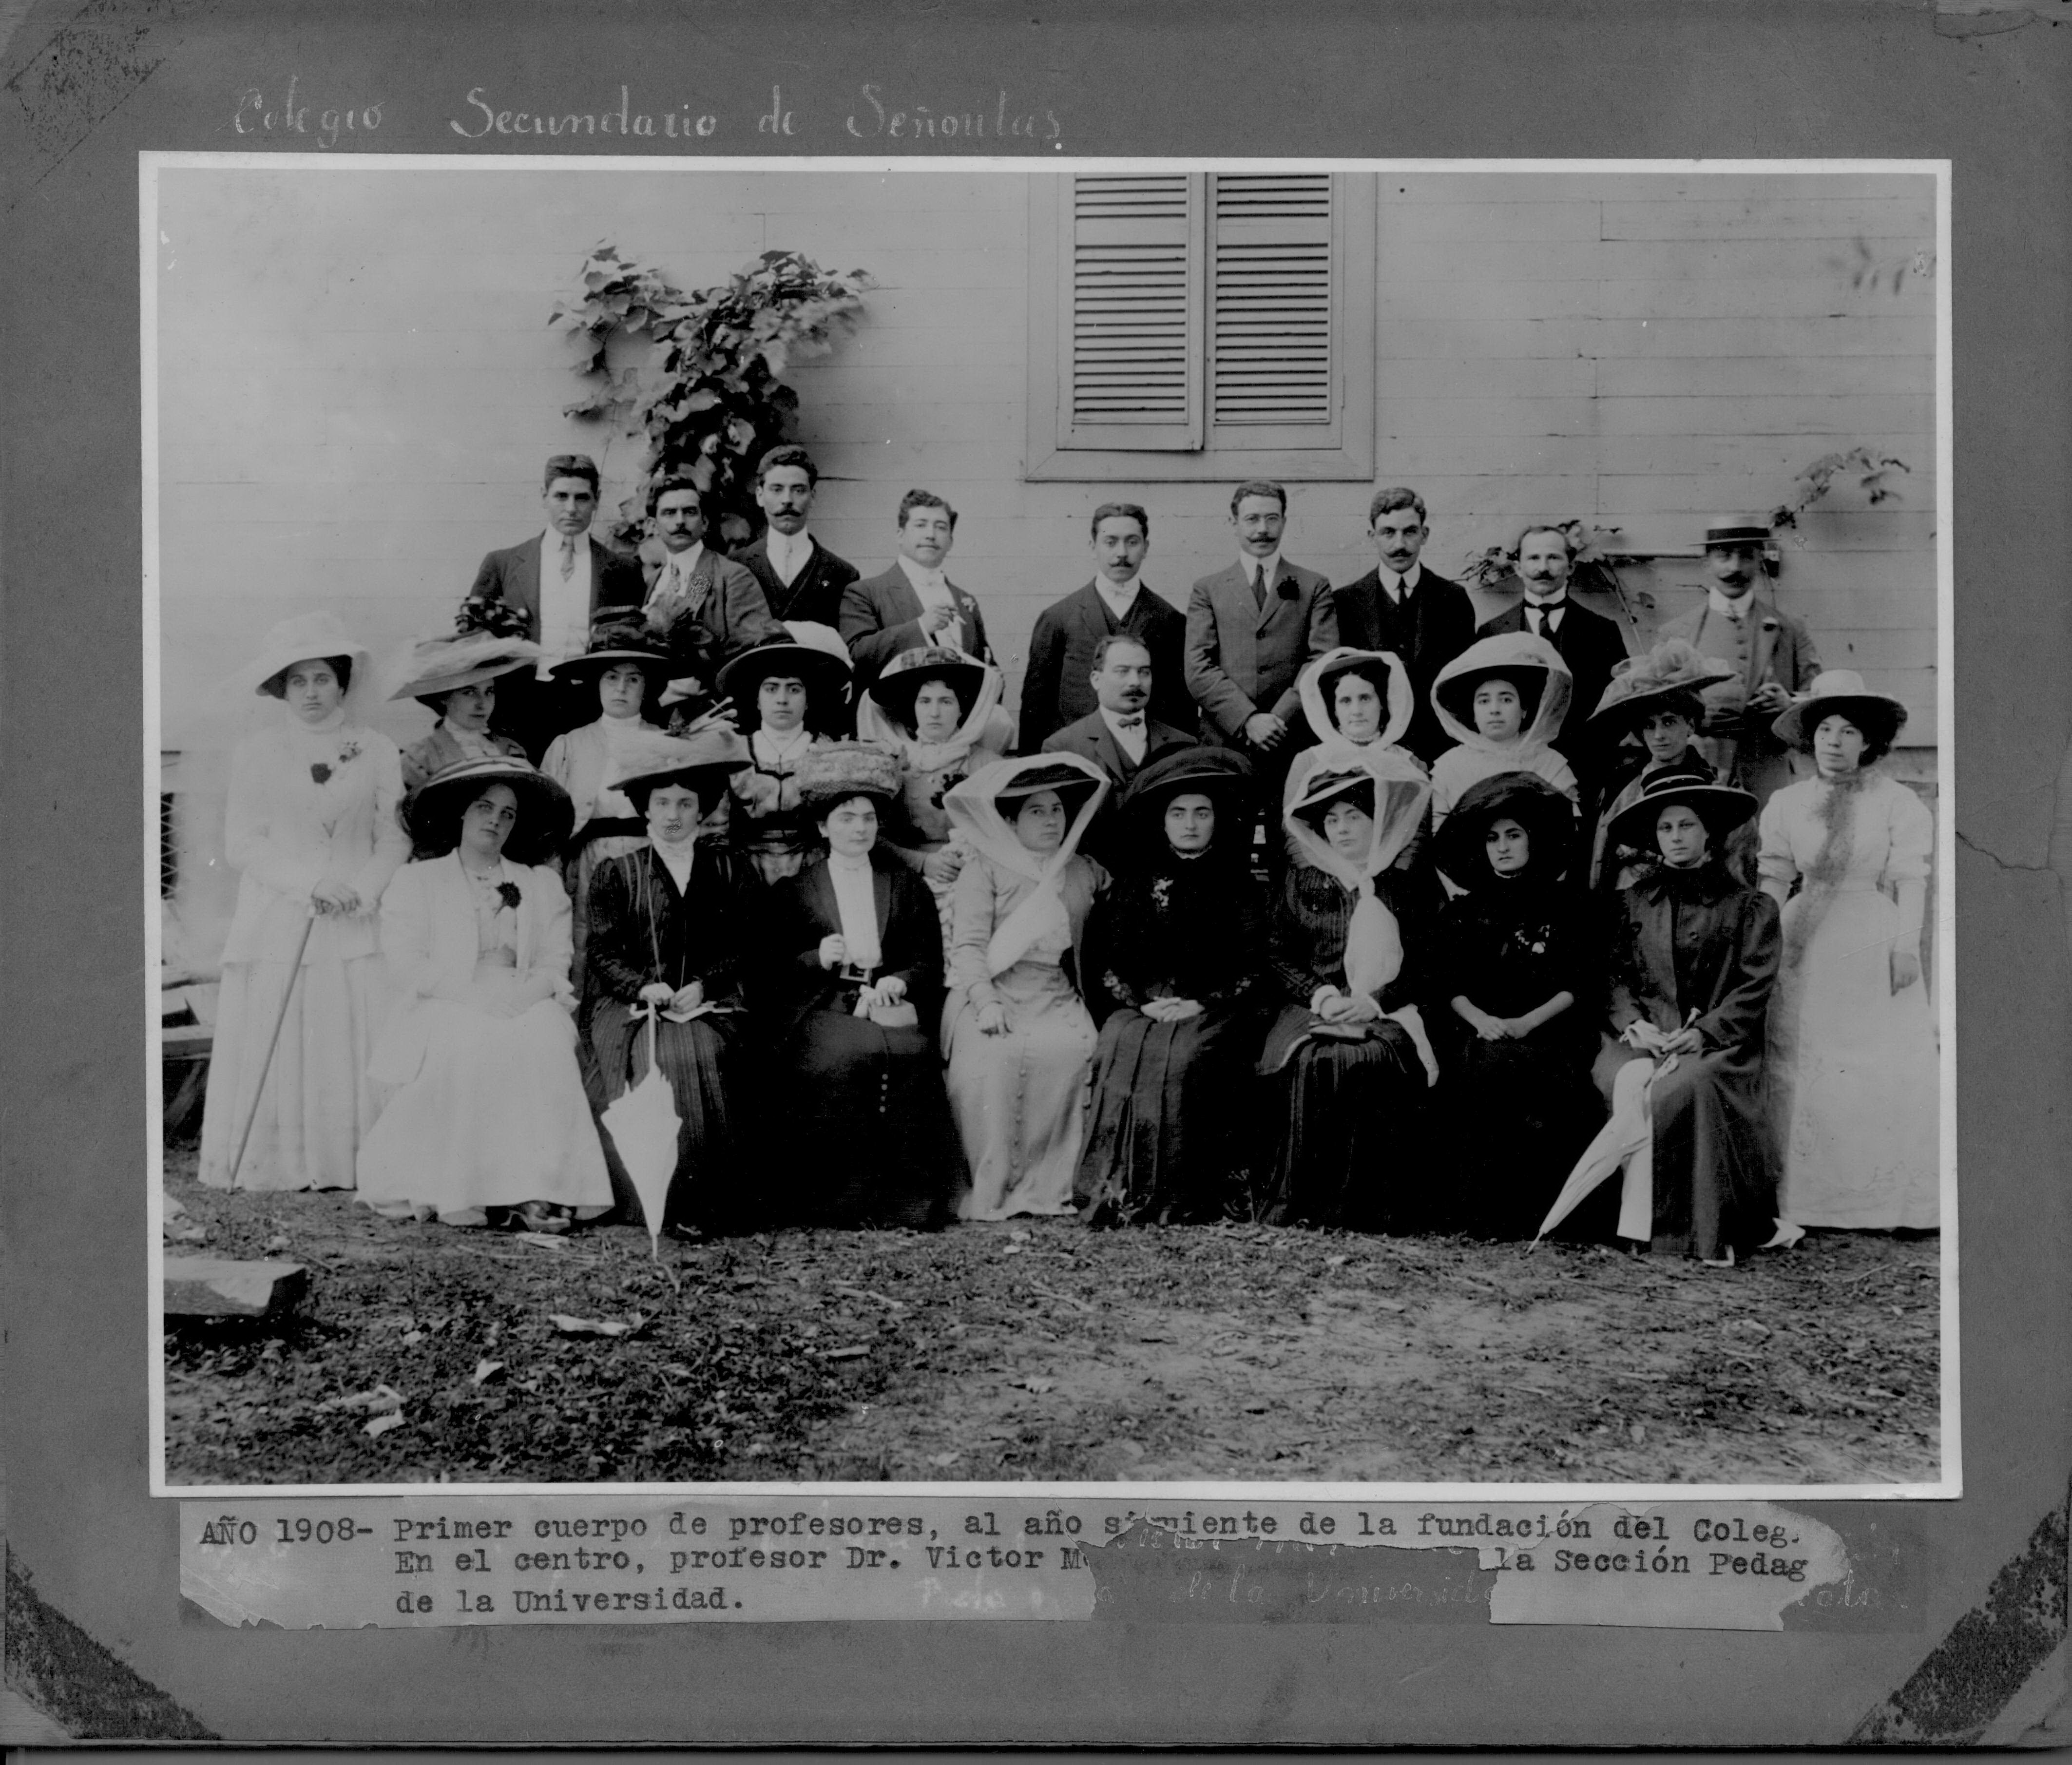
(455, 677)
(312, 829)
(1854, 1075)
(1016, 1030)
(1178, 948)
(938, 711)
(491, 1114)
(1347, 948)
(674, 930)
(857, 975)
(623, 672)
(1692, 959)
(790, 696)
(1516, 971)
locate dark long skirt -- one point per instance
(876, 1144)
(1164, 1139)
(1351, 1121)
(1518, 1116)
(702, 1060)
(1714, 1177)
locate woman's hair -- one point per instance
(1686, 702)
(1375, 674)
(964, 699)
(1878, 723)
(1523, 683)
(277, 685)
(1360, 796)
(640, 789)
(818, 807)
(441, 831)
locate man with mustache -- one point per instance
(708, 608)
(914, 604)
(801, 578)
(1771, 653)
(1413, 613)
(1119, 735)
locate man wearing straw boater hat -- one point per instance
(1769, 655)
(554, 585)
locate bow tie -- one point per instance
(1136, 722)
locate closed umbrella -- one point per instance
(643, 1124)
(1623, 1142)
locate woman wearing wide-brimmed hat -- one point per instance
(1348, 949)
(311, 827)
(1854, 1072)
(788, 696)
(673, 931)
(490, 1116)
(856, 955)
(1517, 973)
(938, 711)
(1654, 704)
(622, 673)
(1691, 961)
(1356, 698)
(1016, 1029)
(454, 675)
(1502, 700)
(1177, 950)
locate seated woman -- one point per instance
(672, 933)
(623, 672)
(787, 696)
(1692, 958)
(491, 1114)
(856, 1003)
(1178, 948)
(1501, 699)
(1655, 701)
(1515, 967)
(938, 711)
(1346, 946)
(455, 677)
(1015, 1030)
(1853, 1065)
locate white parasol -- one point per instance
(643, 1124)
(1627, 1142)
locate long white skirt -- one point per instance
(1854, 1075)
(495, 1117)
(318, 1103)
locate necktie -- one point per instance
(1543, 616)
(1259, 586)
(1136, 722)
(568, 556)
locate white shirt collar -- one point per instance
(788, 553)
(677, 860)
(854, 866)
(1118, 600)
(683, 562)
(1133, 741)
(856, 900)
(926, 582)
(1251, 566)
(1397, 586)
(1726, 607)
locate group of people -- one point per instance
(1308, 905)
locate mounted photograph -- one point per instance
(1233, 826)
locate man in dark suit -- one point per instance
(1591, 644)
(913, 603)
(1251, 630)
(560, 581)
(708, 608)
(800, 578)
(1118, 736)
(1055, 689)
(1414, 613)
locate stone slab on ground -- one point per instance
(224, 1287)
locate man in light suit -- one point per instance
(1401, 606)
(1591, 644)
(560, 581)
(914, 603)
(1252, 629)
(1118, 736)
(801, 578)
(1068, 634)
(708, 608)
(1771, 653)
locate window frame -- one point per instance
(1050, 457)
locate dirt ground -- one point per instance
(1040, 1350)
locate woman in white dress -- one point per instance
(1016, 1033)
(1854, 1074)
(491, 1114)
(312, 829)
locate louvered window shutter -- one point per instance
(1131, 354)
(1274, 347)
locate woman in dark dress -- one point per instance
(1177, 948)
(1347, 948)
(1692, 959)
(1515, 972)
(672, 932)
(857, 1079)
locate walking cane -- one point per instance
(265, 1066)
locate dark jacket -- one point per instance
(1694, 940)
(1180, 928)
(725, 614)
(880, 615)
(1436, 625)
(512, 575)
(1091, 740)
(641, 930)
(1057, 688)
(815, 594)
(802, 910)
(1592, 645)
